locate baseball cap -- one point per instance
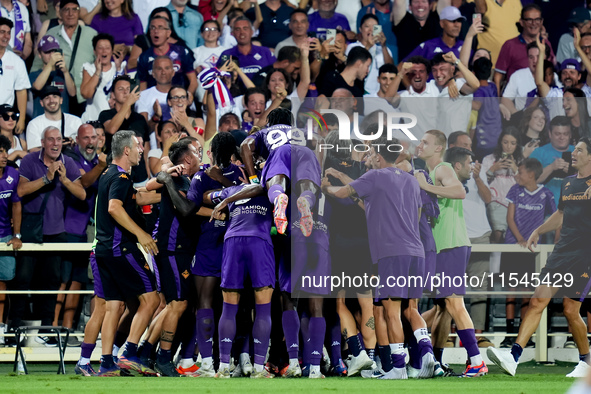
(570, 63)
(4, 108)
(48, 43)
(64, 3)
(451, 13)
(579, 15)
(48, 91)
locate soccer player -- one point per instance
(453, 247)
(123, 270)
(177, 241)
(570, 256)
(392, 205)
(248, 251)
(286, 154)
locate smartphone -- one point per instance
(331, 33)
(312, 34)
(377, 29)
(504, 155)
(476, 17)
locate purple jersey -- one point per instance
(211, 232)
(8, 184)
(530, 209)
(319, 25)
(251, 63)
(392, 200)
(249, 217)
(271, 138)
(430, 48)
(429, 212)
(488, 126)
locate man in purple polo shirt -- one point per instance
(451, 22)
(10, 212)
(392, 206)
(78, 213)
(513, 55)
(326, 18)
(251, 58)
(46, 178)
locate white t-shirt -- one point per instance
(100, 101)
(37, 125)
(350, 9)
(147, 99)
(14, 77)
(377, 54)
(10, 15)
(424, 106)
(143, 8)
(207, 57)
(475, 209)
(520, 84)
(288, 42)
(453, 114)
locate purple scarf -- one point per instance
(19, 30)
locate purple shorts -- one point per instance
(278, 163)
(400, 277)
(208, 262)
(304, 165)
(98, 284)
(312, 261)
(451, 265)
(247, 257)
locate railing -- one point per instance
(542, 252)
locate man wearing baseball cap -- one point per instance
(579, 18)
(51, 101)
(54, 73)
(451, 22)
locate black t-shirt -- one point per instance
(409, 33)
(259, 78)
(575, 235)
(138, 124)
(334, 81)
(176, 233)
(112, 238)
(275, 25)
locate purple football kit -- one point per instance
(392, 198)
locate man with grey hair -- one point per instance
(46, 179)
(123, 270)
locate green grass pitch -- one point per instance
(531, 378)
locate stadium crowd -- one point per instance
(164, 131)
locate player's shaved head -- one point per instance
(440, 139)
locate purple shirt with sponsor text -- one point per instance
(392, 200)
(250, 217)
(254, 61)
(32, 168)
(530, 209)
(8, 185)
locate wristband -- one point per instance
(199, 130)
(254, 179)
(216, 197)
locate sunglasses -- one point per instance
(13, 116)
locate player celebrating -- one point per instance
(570, 256)
(453, 246)
(123, 269)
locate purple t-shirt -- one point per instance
(121, 28)
(319, 25)
(488, 126)
(32, 168)
(250, 217)
(254, 61)
(392, 200)
(530, 209)
(78, 211)
(182, 62)
(430, 48)
(8, 184)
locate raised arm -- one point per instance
(543, 88)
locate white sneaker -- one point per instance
(395, 373)
(244, 364)
(315, 374)
(359, 363)
(293, 370)
(368, 373)
(427, 366)
(503, 358)
(580, 371)
(412, 372)
(206, 371)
